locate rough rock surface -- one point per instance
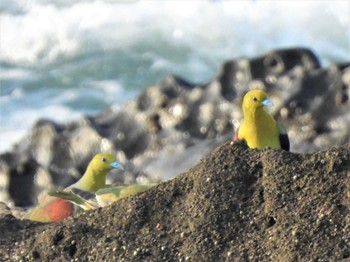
(237, 204)
(173, 124)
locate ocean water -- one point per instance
(61, 59)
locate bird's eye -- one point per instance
(255, 99)
(103, 159)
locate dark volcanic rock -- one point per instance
(173, 124)
(237, 204)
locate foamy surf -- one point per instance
(61, 59)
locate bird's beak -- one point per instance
(266, 102)
(117, 165)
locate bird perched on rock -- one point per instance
(90, 200)
(53, 209)
(258, 128)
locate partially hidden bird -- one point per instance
(258, 128)
(88, 200)
(54, 209)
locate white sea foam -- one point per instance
(46, 30)
(54, 55)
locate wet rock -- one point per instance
(17, 173)
(235, 76)
(174, 123)
(126, 131)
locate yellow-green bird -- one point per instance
(53, 209)
(258, 128)
(90, 200)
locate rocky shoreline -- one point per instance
(172, 125)
(235, 204)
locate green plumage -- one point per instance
(89, 200)
(53, 209)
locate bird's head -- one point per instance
(255, 99)
(104, 163)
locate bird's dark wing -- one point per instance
(283, 137)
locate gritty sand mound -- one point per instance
(236, 204)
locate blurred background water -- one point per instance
(60, 59)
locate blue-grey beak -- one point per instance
(266, 102)
(117, 165)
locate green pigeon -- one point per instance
(54, 209)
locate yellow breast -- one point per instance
(259, 131)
